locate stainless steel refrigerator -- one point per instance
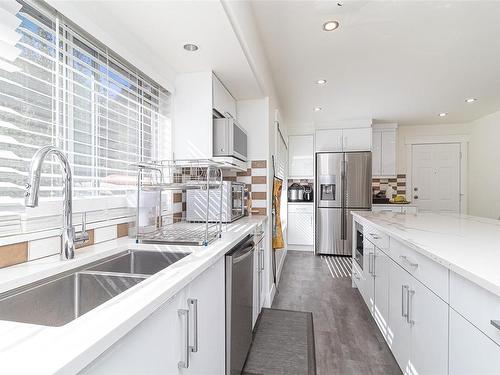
(343, 184)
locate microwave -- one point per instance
(229, 139)
(233, 203)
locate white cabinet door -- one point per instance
(301, 156)
(381, 278)
(357, 139)
(208, 290)
(158, 344)
(368, 286)
(223, 101)
(388, 155)
(301, 224)
(329, 140)
(428, 315)
(471, 352)
(256, 286)
(376, 153)
(398, 331)
(153, 347)
(262, 278)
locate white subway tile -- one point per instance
(259, 203)
(259, 187)
(259, 171)
(105, 234)
(44, 247)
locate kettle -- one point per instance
(308, 193)
(295, 192)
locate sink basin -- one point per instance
(139, 262)
(64, 297)
(59, 300)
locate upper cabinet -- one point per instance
(197, 95)
(223, 101)
(384, 150)
(338, 140)
(301, 156)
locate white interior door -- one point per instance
(436, 177)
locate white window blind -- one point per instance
(66, 89)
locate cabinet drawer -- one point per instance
(306, 208)
(470, 351)
(425, 270)
(476, 304)
(376, 237)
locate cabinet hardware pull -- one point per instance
(184, 315)
(496, 324)
(373, 265)
(404, 291)
(409, 316)
(262, 260)
(370, 263)
(405, 258)
(374, 236)
(193, 307)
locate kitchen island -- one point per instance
(432, 284)
(91, 338)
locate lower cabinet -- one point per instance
(184, 336)
(381, 290)
(471, 351)
(301, 224)
(418, 325)
(365, 282)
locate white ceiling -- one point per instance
(398, 61)
(160, 28)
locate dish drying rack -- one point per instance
(162, 179)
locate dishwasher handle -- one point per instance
(242, 255)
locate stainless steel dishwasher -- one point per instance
(239, 304)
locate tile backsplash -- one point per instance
(255, 178)
(398, 183)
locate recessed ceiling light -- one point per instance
(470, 100)
(443, 114)
(190, 47)
(321, 81)
(330, 25)
(317, 109)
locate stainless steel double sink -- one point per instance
(64, 297)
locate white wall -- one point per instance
(484, 166)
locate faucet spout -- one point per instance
(32, 191)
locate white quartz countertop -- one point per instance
(467, 245)
(34, 349)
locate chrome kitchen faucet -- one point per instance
(68, 238)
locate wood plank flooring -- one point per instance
(348, 341)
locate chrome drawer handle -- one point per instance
(496, 324)
(404, 293)
(184, 316)
(193, 307)
(405, 258)
(409, 317)
(374, 236)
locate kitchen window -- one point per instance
(66, 89)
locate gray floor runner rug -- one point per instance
(283, 343)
